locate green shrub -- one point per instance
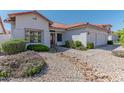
(122, 40)
(119, 53)
(77, 43)
(110, 42)
(33, 70)
(90, 45)
(122, 44)
(72, 44)
(3, 74)
(13, 46)
(38, 47)
(67, 44)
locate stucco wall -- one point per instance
(98, 37)
(77, 34)
(27, 21)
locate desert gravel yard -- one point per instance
(103, 60)
(64, 69)
(58, 69)
(69, 65)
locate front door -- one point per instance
(52, 39)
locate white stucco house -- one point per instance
(36, 28)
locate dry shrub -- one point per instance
(24, 64)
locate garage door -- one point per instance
(100, 39)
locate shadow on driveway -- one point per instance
(108, 47)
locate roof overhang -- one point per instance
(79, 26)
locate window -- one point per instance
(59, 37)
(33, 36)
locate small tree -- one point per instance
(119, 33)
(122, 39)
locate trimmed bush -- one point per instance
(90, 45)
(110, 42)
(38, 47)
(13, 46)
(77, 43)
(118, 53)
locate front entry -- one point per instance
(52, 39)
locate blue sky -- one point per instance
(115, 18)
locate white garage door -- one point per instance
(100, 39)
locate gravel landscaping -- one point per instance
(102, 60)
(64, 68)
(70, 65)
(58, 70)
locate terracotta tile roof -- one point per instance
(63, 26)
(58, 25)
(103, 26)
(1, 23)
(76, 25)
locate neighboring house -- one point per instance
(2, 29)
(4, 35)
(113, 37)
(36, 28)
